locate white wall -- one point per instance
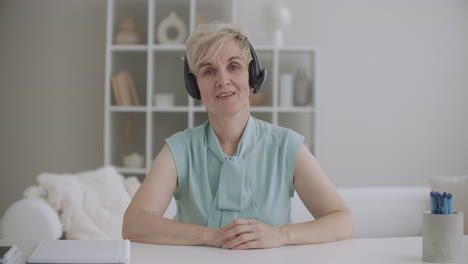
(393, 79)
(393, 85)
(51, 90)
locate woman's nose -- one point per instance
(223, 79)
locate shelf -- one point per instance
(168, 47)
(131, 170)
(127, 109)
(156, 68)
(301, 122)
(128, 47)
(169, 109)
(165, 125)
(128, 130)
(269, 109)
(281, 109)
(261, 109)
(181, 47)
(200, 109)
(296, 109)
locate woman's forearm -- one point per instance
(335, 226)
(144, 227)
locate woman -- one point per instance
(234, 176)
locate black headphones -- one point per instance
(257, 76)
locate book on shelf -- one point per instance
(124, 89)
(133, 94)
(115, 88)
(81, 251)
(9, 254)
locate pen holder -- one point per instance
(442, 237)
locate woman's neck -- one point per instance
(228, 130)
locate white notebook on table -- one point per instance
(81, 252)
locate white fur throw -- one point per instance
(91, 204)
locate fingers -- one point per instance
(240, 234)
(242, 241)
(248, 245)
(231, 233)
(250, 234)
(237, 222)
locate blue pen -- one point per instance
(433, 203)
(438, 203)
(444, 203)
(440, 209)
(450, 203)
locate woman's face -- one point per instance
(224, 81)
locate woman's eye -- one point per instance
(234, 67)
(209, 72)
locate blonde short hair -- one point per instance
(206, 41)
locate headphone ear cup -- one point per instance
(252, 74)
(191, 84)
(192, 87)
(257, 75)
(195, 91)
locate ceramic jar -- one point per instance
(127, 34)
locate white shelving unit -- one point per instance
(158, 68)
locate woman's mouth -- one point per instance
(225, 95)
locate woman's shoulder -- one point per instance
(267, 129)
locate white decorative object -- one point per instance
(286, 89)
(302, 89)
(164, 99)
(134, 160)
(172, 30)
(277, 18)
(127, 33)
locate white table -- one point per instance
(371, 250)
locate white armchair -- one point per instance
(86, 205)
(30, 219)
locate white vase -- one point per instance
(164, 99)
(277, 18)
(172, 24)
(286, 89)
(302, 89)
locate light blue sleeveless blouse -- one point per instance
(255, 183)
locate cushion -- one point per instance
(91, 204)
(458, 186)
(16, 222)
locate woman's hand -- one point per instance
(249, 234)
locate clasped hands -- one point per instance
(249, 234)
